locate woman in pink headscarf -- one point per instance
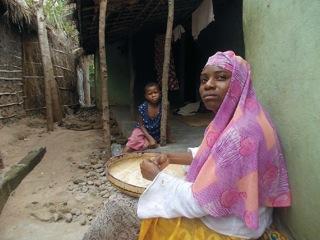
(236, 176)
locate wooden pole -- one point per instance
(45, 54)
(104, 78)
(132, 77)
(165, 74)
(1, 161)
(86, 83)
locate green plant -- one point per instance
(58, 14)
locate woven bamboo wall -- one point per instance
(11, 84)
(64, 70)
(21, 73)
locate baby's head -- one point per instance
(152, 92)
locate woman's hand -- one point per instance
(162, 161)
(149, 169)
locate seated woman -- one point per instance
(235, 178)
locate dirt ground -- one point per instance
(58, 199)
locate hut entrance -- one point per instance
(188, 54)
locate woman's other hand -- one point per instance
(149, 169)
(162, 161)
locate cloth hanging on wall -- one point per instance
(173, 83)
(80, 85)
(177, 32)
(201, 17)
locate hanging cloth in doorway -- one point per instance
(177, 32)
(201, 17)
(173, 83)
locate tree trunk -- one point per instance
(46, 63)
(104, 79)
(165, 73)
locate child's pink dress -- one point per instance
(137, 141)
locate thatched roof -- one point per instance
(17, 13)
(125, 17)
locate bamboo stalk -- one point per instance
(34, 109)
(36, 63)
(8, 93)
(104, 78)
(60, 51)
(41, 76)
(64, 68)
(11, 104)
(66, 89)
(14, 115)
(10, 71)
(10, 79)
(165, 73)
(6, 65)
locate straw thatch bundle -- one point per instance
(18, 14)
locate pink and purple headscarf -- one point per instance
(239, 166)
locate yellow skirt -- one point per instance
(178, 229)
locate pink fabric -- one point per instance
(137, 140)
(239, 166)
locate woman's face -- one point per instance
(214, 85)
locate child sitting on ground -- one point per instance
(146, 134)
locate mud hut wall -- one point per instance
(64, 70)
(11, 85)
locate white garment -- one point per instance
(201, 17)
(177, 32)
(80, 85)
(170, 197)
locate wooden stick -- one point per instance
(132, 78)
(36, 63)
(165, 73)
(11, 104)
(41, 76)
(8, 93)
(10, 79)
(60, 51)
(14, 115)
(11, 71)
(6, 65)
(64, 68)
(104, 78)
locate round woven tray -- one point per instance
(123, 172)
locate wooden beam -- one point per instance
(165, 73)
(104, 78)
(136, 20)
(149, 15)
